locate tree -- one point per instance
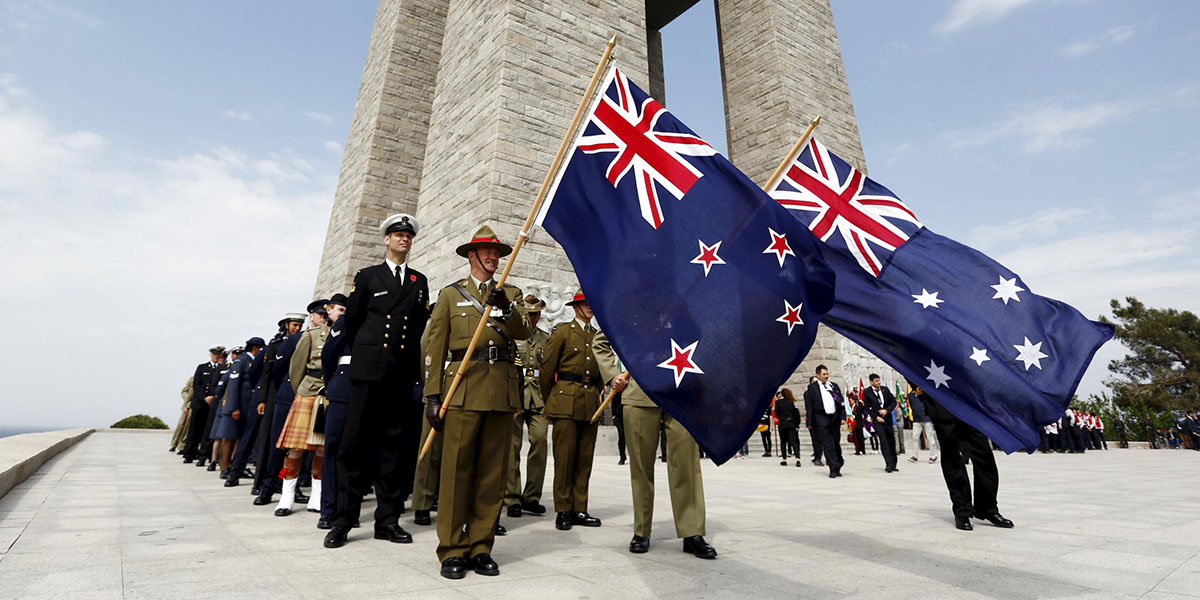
(140, 422)
(1162, 370)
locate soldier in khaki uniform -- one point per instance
(572, 384)
(529, 360)
(477, 432)
(179, 437)
(642, 420)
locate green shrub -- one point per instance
(140, 422)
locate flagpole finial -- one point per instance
(791, 155)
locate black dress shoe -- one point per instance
(639, 544)
(336, 538)
(621, 462)
(963, 523)
(246, 474)
(838, 473)
(500, 529)
(514, 510)
(301, 498)
(200, 462)
(393, 533)
(421, 517)
(187, 460)
(998, 520)
(454, 567)
(584, 519)
(818, 463)
(212, 466)
(254, 490)
(324, 524)
(533, 507)
(696, 545)
(833, 475)
(224, 475)
(887, 470)
(263, 499)
(312, 510)
(283, 512)
(231, 482)
(484, 565)
(563, 521)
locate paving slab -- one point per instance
(117, 516)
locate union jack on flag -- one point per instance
(629, 129)
(844, 208)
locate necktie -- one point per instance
(398, 275)
(483, 289)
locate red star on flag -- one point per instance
(779, 246)
(791, 315)
(681, 362)
(708, 256)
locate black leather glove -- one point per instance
(433, 412)
(499, 299)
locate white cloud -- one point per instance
(333, 147)
(1045, 128)
(319, 117)
(1043, 223)
(236, 115)
(1112, 37)
(965, 13)
(32, 16)
(145, 260)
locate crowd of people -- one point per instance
(343, 398)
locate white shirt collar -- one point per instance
(392, 266)
(582, 324)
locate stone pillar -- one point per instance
(782, 66)
(385, 151)
(510, 77)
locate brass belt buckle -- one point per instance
(587, 380)
(493, 354)
(529, 372)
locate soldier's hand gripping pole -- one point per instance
(611, 394)
(537, 205)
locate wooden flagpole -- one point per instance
(611, 393)
(787, 160)
(537, 205)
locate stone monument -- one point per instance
(463, 104)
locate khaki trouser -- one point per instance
(179, 437)
(475, 456)
(683, 471)
(535, 466)
(574, 448)
(425, 480)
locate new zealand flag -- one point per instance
(709, 291)
(947, 317)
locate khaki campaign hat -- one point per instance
(534, 304)
(578, 298)
(484, 238)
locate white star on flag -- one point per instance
(1030, 354)
(779, 246)
(708, 256)
(681, 361)
(979, 355)
(927, 299)
(938, 375)
(791, 315)
(1007, 290)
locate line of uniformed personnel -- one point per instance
(362, 378)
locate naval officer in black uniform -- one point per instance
(204, 388)
(385, 317)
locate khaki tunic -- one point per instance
(179, 436)
(308, 356)
(641, 420)
(477, 435)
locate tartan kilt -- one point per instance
(296, 427)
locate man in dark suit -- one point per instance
(825, 412)
(204, 386)
(385, 316)
(956, 438)
(880, 404)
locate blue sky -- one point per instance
(166, 169)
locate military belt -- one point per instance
(533, 372)
(584, 379)
(491, 354)
(314, 372)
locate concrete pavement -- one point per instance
(117, 516)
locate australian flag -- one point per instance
(950, 319)
(709, 291)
